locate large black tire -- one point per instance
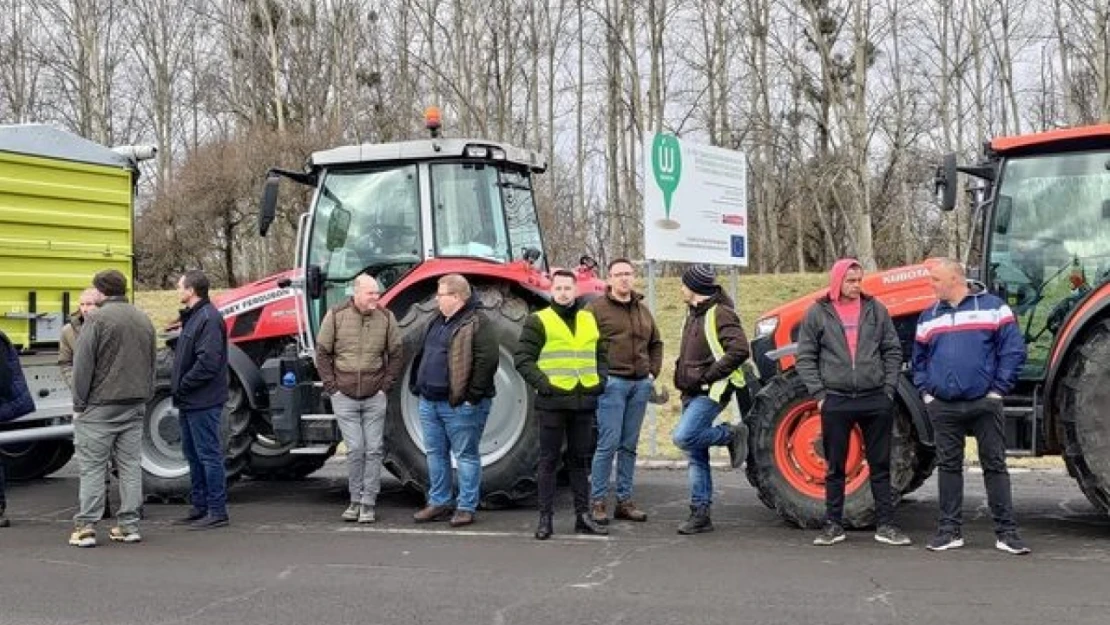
(510, 443)
(35, 460)
(1084, 422)
(786, 463)
(165, 470)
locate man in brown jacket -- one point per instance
(358, 356)
(708, 374)
(113, 378)
(631, 340)
(86, 303)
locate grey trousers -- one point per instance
(98, 433)
(362, 422)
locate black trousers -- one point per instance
(577, 428)
(875, 417)
(952, 422)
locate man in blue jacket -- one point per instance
(199, 387)
(967, 355)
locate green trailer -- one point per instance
(66, 212)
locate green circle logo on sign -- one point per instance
(666, 165)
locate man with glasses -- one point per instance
(452, 374)
(358, 356)
(630, 339)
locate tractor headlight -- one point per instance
(766, 327)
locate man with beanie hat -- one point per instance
(849, 358)
(708, 373)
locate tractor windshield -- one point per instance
(1050, 241)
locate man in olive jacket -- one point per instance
(849, 358)
(113, 378)
(358, 357)
(453, 373)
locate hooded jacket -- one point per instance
(696, 368)
(825, 361)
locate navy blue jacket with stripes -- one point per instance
(962, 353)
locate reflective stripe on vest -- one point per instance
(569, 359)
(736, 378)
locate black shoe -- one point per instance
(4, 520)
(832, 533)
(738, 444)
(698, 523)
(585, 524)
(193, 516)
(209, 522)
(543, 528)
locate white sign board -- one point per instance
(695, 202)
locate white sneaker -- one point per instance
(351, 513)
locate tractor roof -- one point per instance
(1081, 137)
(422, 150)
(50, 142)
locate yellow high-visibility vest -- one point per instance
(736, 378)
(569, 359)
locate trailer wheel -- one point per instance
(34, 460)
(1084, 423)
(787, 467)
(510, 442)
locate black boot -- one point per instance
(585, 524)
(4, 522)
(543, 528)
(698, 523)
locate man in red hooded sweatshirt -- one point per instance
(849, 358)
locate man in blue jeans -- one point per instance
(708, 373)
(453, 373)
(199, 387)
(634, 351)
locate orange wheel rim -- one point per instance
(800, 457)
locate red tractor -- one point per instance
(1040, 240)
(405, 213)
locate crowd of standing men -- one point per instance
(593, 368)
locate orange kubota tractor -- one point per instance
(1040, 239)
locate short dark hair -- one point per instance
(196, 280)
(564, 273)
(111, 283)
(618, 261)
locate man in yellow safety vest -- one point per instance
(559, 355)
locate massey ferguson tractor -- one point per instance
(1041, 241)
(405, 213)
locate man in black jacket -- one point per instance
(849, 358)
(199, 387)
(560, 355)
(453, 373)
(15, 401)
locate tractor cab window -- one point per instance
(1049, 241)
(520, 211)
(468, 212)
(365, 221)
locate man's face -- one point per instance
(850, 287)
(687, 294)
(87, 303)
(367, 293)
(184, 295)
(942, 279)
(563, 290)
(620, 280)
(448, 301)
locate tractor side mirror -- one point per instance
(1003, 212)
(338, 224)
(946, 182)
(314, 282)
(269, 204)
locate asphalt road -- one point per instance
(286, 559)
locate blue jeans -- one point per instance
(450, 430)
(695, 434)
(620, 415)
(200, 440)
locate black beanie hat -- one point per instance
(700, 279)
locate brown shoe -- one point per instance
(629, 512)
(461, 518)
(432, 513)
(599, 513)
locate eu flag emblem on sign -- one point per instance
(738, 246)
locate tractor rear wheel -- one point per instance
(34, 460)
(510, 442)
(1084, 423)
(786, 461)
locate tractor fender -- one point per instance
(250, 376)
(909, 397)
(1093, 307)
